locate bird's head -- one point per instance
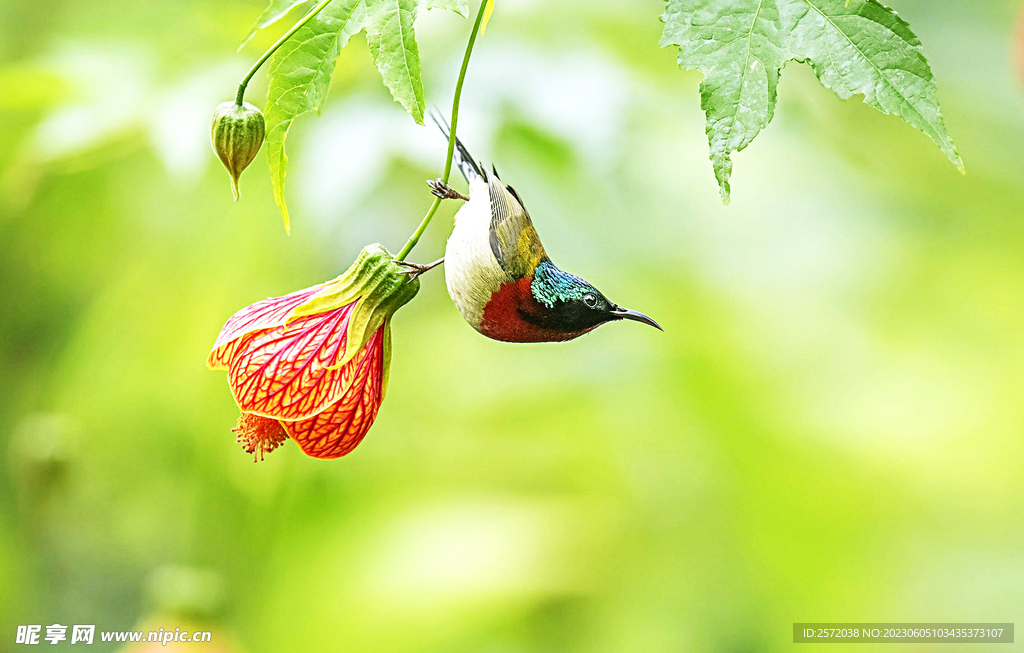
(573, 305)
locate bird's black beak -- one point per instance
(620, 313)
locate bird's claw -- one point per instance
(438, 188)
(416, 269)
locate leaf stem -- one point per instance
(266, 55)
(415, 237)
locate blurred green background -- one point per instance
(830, 428)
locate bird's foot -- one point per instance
(416, 269)
(440, 189)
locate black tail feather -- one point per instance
(469, 168)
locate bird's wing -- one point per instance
(513, 239)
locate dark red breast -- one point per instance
(513, 314)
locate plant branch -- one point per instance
(415, 238)
(266, 55)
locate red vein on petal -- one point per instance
(341, 427)
(265, 314)
(284, 373)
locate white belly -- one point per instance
(470, 269)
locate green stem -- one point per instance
(266, 55)
(415, 237)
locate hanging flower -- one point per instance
(313, 365)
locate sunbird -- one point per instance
(499, 275)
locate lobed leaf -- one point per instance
(740, 49)
(854, 46)
(461, 7)
(392, 41)
(301, 70)
(300, 78)
(867, 49)
(277, 10)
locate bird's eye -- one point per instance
(590, 299)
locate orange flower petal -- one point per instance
(341, 426)
(283, 373)
(265, 314)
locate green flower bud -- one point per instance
(237, 135)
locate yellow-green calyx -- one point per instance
(375, 287)
(237, 134)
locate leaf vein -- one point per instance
(936, 132)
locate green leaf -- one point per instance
(300, 78)
(854, 46)
(277, 10)
(867, 49)
(392, 41)
(739, 49)
(301, 70)
(461, 7)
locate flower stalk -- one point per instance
(240, 97)
(415, 237)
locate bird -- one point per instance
(498, 273)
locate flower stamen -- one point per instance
(259, 435)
